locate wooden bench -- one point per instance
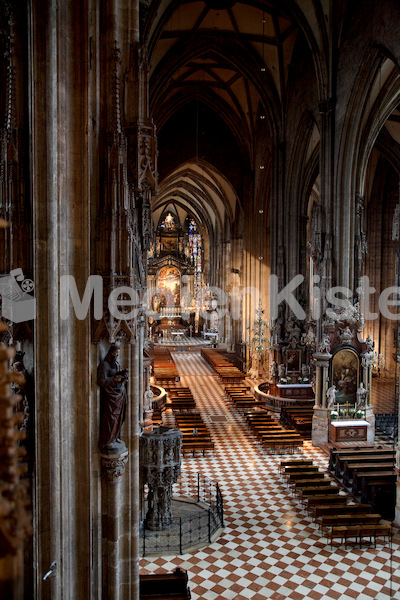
(350, 467)
(294, 462)
(338, 457)
(359, 532)
(159, 586)
(349, 519)
(320, 510)
(298, 468)
(302, 475)
(197, 446)
(283, 444)
(319, 490)
(372, 478)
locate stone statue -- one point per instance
(324, 345)
(346, 335)
(112, 381)
(305, 371)
(148, 397)
(330, 396)
(274, 370)
(253, 373)
(281, 371)
(362, 395)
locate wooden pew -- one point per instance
(368, 464)
(359, 532)
(320, 510)
(294, 462)
(338, 457)
(349, 519)
(373, 477)
(159, 586)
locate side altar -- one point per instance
(350, 430)
(344, 362)
(298, 391)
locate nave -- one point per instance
(269, 548)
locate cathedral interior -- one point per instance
(200, 256)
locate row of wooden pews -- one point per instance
(270, 433)
(164, 368)
(195, 435)
(180, 398)
(298, 418)
(241, 396)
(338, 518)
(370, 473)
(225, 369)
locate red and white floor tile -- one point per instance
(269, 548)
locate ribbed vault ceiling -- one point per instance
(199, 190)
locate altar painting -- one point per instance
(345, 375)
(169, 285)
(169, 244)
(293, 360)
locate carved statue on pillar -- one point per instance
(112, 381)
(362, 396)
(330, 396)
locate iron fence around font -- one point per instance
(192, 529)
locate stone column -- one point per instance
(62, 98)
(320, 424)
(113, 468)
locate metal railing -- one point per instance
(192, 529)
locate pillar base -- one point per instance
(320, 426)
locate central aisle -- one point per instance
(269, 547)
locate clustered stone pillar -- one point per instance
(113, 468)
(320, 424)
(160, 465)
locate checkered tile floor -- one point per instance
(269, 547)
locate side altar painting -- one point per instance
(345, 375)
(169, 285)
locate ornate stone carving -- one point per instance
(114, 466)
(325, 345)
(348, 314)
(346, 335)
(160, 466)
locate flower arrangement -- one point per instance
(360, 414)
(283, 380)
(334, 414)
